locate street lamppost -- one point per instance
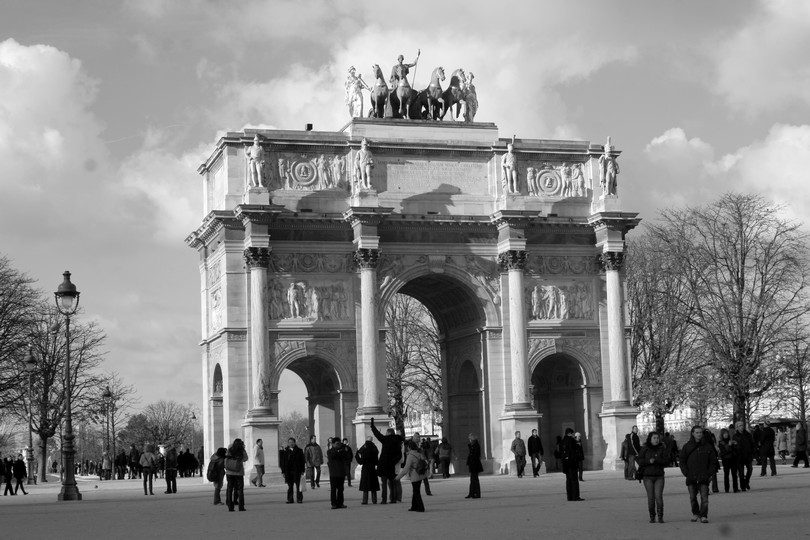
(109, 399)
(67, 302)
(30, 367)
(193, 423)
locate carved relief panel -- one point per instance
(215, 303)
(311, 172)
(572, 300)
(309, 299)
(558, 180)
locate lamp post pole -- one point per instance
(109, 400)
(30, 366)
(67, 302)
(193, 453)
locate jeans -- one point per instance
(571, 481)
(235, 492)
(171, 480)
(801, 455)
(218, 492)
(701, 510)
(260, 475)
(520, 463)
(630, 468)
(416, 502)
(733, 468)
(147, 476)
(475, 486)
(336, 490)
(293, 483)
(745, 469)
(445, 467)
(655, 495)
(315, 477)
(388, 487)
(427, 486)
(765, 459)
(536, 462)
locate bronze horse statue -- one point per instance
(379, 94)
(454, 94)
(434, 93)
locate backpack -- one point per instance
(211, 475)
(421, 466)
(232, 464)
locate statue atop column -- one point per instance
(363, 163)
(608, 170)
(255, 157)
(509, 167)
(354, 93)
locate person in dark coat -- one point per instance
(745, 454)
(570, 465)
(445, 453)
(292, 465)
(134, 462)
(728, 457)
(336, 460)
(475, 467)
(20, 473)
(8, 467)
(348, 463)
(801, 446)
(535, 448)
(711, 440)
(767, 451)
(217, 473)
(698, 464)
(170, 469)
(367, 457)
(390, 455)
(652, 459)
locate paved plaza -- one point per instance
(509, 508)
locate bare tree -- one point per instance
(746, 272)
(663, 343)
(168, 422)
(794, 363)
(19, 303)
(48, 406)
(413, 358)
(295, 425)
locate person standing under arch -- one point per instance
(475, 467)
(570, 465)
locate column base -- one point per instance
(265, 428)
(257, 195)
(523, 420)
(617, 421)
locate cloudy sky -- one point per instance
(107, 107)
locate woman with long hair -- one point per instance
(149, 464)
(728, 455)
(652, 459)
(235, 472)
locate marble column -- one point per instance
(367, 260)
(257, 259)
(514, 261)
(619, 370)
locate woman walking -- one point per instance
(652, 459)
(148, 465)
(728, 455)
(782, 444)
(445, 454)
(411, 469)
(475, 467)
(235, 473)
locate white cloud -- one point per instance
(764, 65)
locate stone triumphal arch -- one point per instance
(513, 245)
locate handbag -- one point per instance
(639, 474)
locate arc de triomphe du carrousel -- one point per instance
(514, 245)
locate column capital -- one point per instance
(512, 259)
(366, 258)
(257, 257)
(610, 260)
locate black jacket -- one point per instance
(338, 459)
(474, 457)
(292, 462)
(390, 453)
(535, 445)
(698, 461)
(745, 446)
(660, 459)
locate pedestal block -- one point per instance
(616, 423)
(524, 421)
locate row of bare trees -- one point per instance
(719, 309)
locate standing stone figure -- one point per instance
(354, 93)
(337, 170)
(510, 173)
(608, 170)
(294, 299)
(578, 180)
(363, 163)
(323, 172)
(255, 157)
(284, 173)
(470, 99)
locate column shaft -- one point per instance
(368, 327)
(517, 338)
(257, 261)
(619, 391)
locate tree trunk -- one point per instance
(659, 423)
(399, 410)
(43, 459)
(740, 403)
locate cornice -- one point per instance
(616, 221)
(211, 225)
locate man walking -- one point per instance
(698, 464)
(519, 450)
(767, 452)
(633, 448)
(313, 456)
(801, 446)
(535, 452)
(745, 454)
(570, 465)
(258, 462)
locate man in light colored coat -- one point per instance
(258, 462)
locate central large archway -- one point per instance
(460, 315)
